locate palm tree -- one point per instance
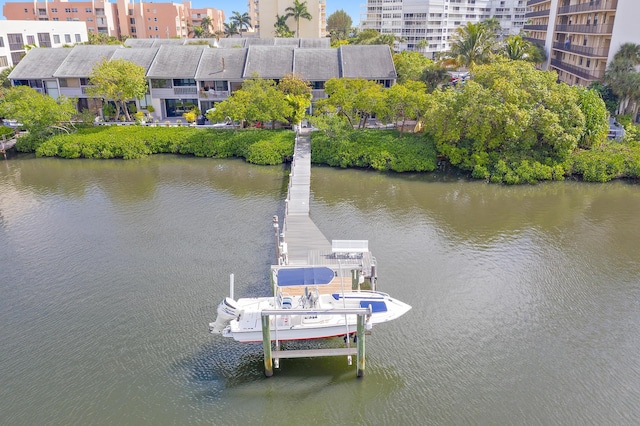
(196, 32)
(629, 51)
(298, 11)
(282, 29)
(241, 20)
(206, 25)
(218, 34)
(230, 29)
(516, 48)
(472, 44)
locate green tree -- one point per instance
(102, 38)
(596, 117)
(355, 99)
(39, 114)
(511, 123)
(118, 80)
(404, 102)
(298, 11)
(196, 32)
(472, 44)
(624, 80)
(410, 65)
(230, 29)
(4, 77)
(207, 25)
(281, 28)
(298, 95)
(516, 48)
(259, 100)
(339, 25)
(434, 75)
(242, 21)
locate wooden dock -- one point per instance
(302, 245)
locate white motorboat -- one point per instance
(303, 306)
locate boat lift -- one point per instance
(272, 357)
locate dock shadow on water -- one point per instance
(227, 367)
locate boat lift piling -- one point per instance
(271, 357)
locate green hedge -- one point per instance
(128, 142)
(382, 150)
(612, 160)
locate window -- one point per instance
(54, 10)
(89, 19)
(56, 19)
(84, 82)
(156, 28)
(78, 38)
(1, 42)
(155, 19)
(161, 84)
(26, 11)
(16, 56)
(67, 9)
(588, 63)
(56, 38)
(133, 30)
(132, 21)
(74, 9)
(63, 82)
(31, 40)
(88, 10)
(4, 62)
(67, 38)
(44, 40)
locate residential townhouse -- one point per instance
(582, 36)
(120, 18)
(182, 76)
(16, 37)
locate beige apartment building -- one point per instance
(582, 36)
(263, 17)
(120, 18)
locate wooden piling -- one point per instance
(266, 343)
(360, 362)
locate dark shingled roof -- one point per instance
(83, 58)
(139, 42)
(269, 61)
(142, 56)
(211, 64)
(315, 43)
(356, 62)
(39, 63)
(176, 62)
(231, 42)
(316, 64)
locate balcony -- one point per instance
(536, 27)
(214, 95)
(185, 90)
(582, 50)
(585, 29)
(532, 2)
(595, 5)
(537, 13)
(536, 41)
(577, 71)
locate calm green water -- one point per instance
(526, 300)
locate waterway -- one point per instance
(526, 300)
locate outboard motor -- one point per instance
(226, 312)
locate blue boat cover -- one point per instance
(305, 276)
(376, 306)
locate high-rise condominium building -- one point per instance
(582, 36)
(427, 25)
(120, 18)
(263, 17)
